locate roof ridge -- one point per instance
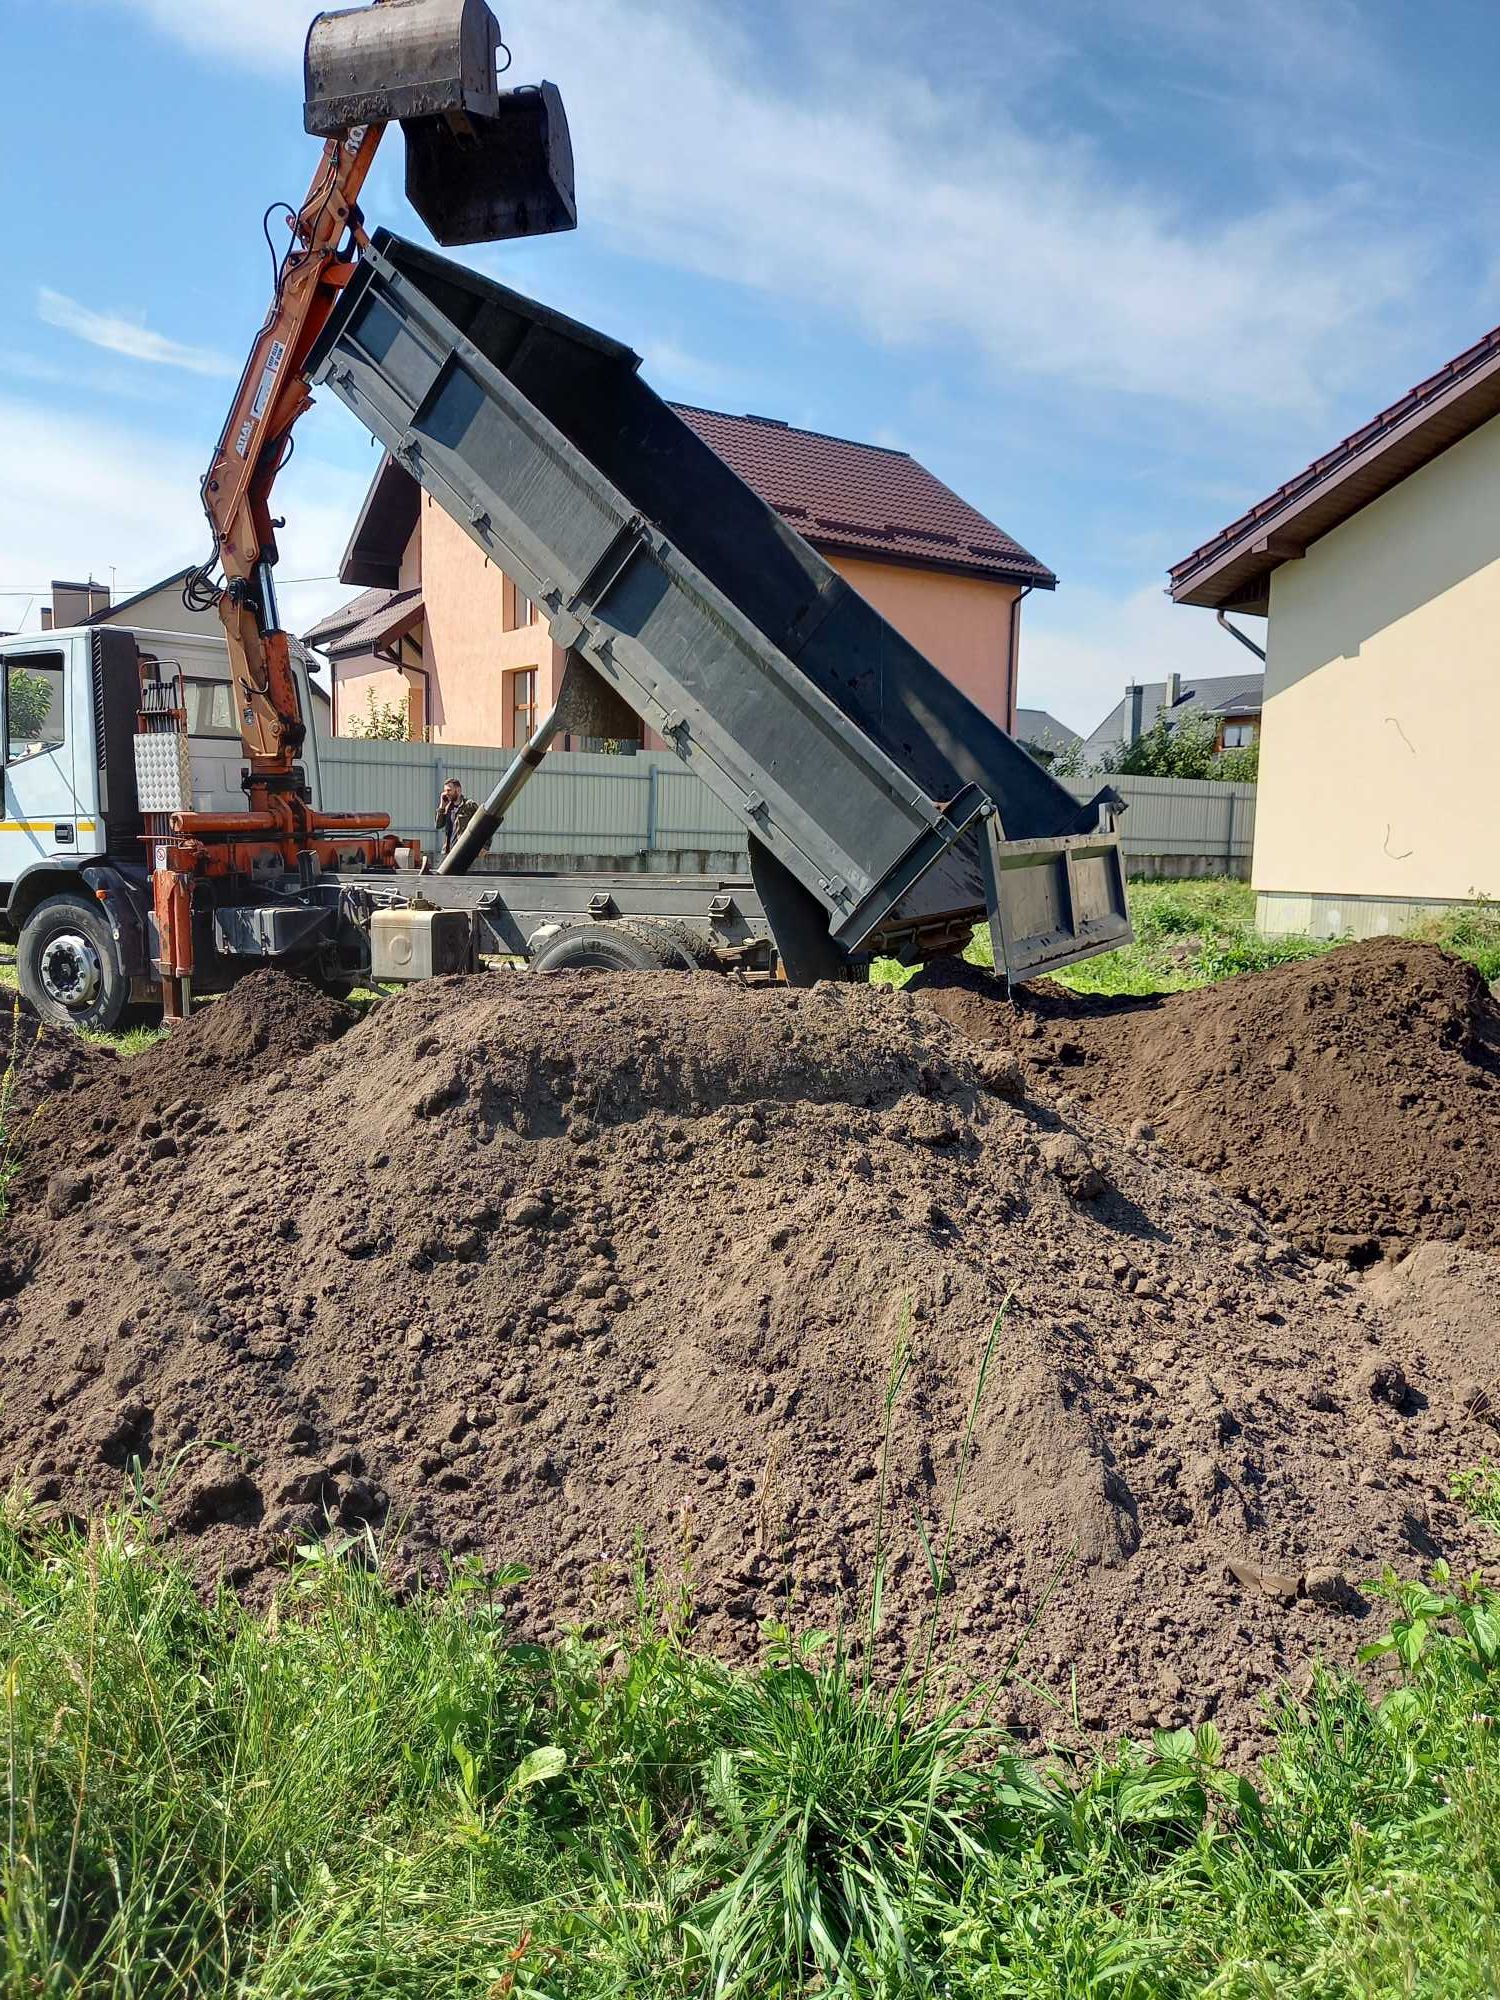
(795, 430)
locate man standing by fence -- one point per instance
(454, 812)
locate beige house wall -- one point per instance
(1382, 707)
(961, 623)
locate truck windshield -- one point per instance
(33, 706)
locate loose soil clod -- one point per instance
(564, 1269)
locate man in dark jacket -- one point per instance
(453, 813)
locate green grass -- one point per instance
(1190, 934)
(356, 1795)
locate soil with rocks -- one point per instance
(1353, 1099)
(581, 1271)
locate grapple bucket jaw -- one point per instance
(510, 175)
(400, 59)
(481, 163)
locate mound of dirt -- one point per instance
(1354, 1099)
(565, 1270)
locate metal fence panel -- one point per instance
(593, 803)
(1183, 824)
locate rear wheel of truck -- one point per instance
(605, 948)
(68, 967)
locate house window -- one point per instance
(526, 611)
(523, 716)
(1238, 735)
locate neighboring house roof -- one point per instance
(386, 520)
(1233, 570)
(1036, 727)
(863, 499)
(111, 613)
(1218, 695)
(375, 618)
(860, 499)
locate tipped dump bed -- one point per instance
(889, 808)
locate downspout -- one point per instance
(1013, 665)
(1243, 637)
(409, 667)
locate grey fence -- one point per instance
(624, 811)
(1182, 826)
(645, 811)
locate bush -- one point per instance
(383, 722)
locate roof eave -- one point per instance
(1036, 574)
(1235, 574)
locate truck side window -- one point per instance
(210, 707)
(33, 706)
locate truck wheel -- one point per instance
(67, 966)
(605, 948)
(690, 949)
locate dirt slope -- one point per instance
(1355, 1099)
(559, 1270)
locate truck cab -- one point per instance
(72, 859)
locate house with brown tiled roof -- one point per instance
(441, 631)
(1377, 571)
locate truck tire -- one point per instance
(68, 967)
(691, 948)
(605, 948)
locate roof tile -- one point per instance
(862, 497)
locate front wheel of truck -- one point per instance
(68, 967)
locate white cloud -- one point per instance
(267, 36)
(85, 498)
(1081, 649)
(850, 188)
(119, 335)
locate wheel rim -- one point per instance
(72, 972)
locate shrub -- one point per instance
(383, 721)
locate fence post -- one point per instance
(651, 814)
(1234, 799)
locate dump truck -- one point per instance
(883, 811)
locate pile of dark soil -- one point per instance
(1354, 1099)
(568, 1270)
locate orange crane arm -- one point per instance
(252, 448)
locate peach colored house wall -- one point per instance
(961, 623)
(472, 644)
(468, 649)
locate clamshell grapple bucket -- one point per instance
(482, 163)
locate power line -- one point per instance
(134, 590)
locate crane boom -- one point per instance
(483, 163)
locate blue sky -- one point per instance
(1113, 268)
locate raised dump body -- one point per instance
(884, 811)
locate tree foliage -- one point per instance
(1182, 749)
(28, 704)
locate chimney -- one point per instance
(1174, 690)
(75, 603)
(1134, 695)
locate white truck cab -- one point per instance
(68, 817)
